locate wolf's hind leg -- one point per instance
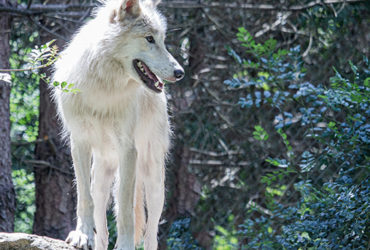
(83, 236)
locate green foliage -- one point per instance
(330, 209)
(112, 230)
(334, 217)
(260, 134)
(225, 239)
(24, 97)
(180, 236)
(25, 191)
(42, 57)
(45, 56)
(24, 101)
(24, 104)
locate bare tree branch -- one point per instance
(214, 154)
(217, 163)
(39, 9)
(268, 7)
(47, 30)
(44, 164)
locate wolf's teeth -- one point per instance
(141, 67)
(156, 84)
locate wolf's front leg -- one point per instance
(153, 177)
(125, 199)
(104, 169)
(83, 236)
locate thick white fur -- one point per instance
(116, 122)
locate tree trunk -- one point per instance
(55, 191)
(7, 193)
(183, 186)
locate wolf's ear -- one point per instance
(126, 8)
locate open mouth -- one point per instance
(147, 76)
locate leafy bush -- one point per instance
(24, 99)
(316, 196)
(24, 103)
(25, 190)
(335, 217)
(180, 236)
(225, 239)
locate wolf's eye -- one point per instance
(150, 39)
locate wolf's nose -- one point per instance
(179, 74)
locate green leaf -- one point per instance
(367, 82)
(353, 67)
(260, 134)
(281, 163)
(274, 162)
(270, 44)
(323, 97)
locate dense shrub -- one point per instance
(180, 236)
(316, 196)
(25, 189)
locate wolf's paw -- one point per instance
(81, 240)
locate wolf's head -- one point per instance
(141, 49)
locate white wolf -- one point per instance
(118, 121)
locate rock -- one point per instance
(22, 241)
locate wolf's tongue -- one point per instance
(150, 73)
